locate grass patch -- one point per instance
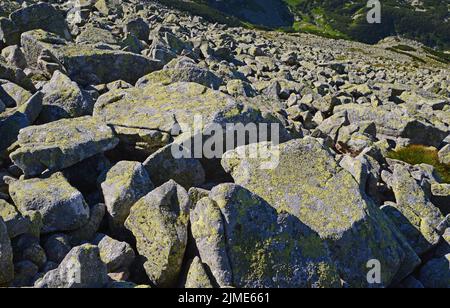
(415, 58)
(404, 48)
(419, 154)
(438, 55)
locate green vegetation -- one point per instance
(415, 58)
(419, 154)
(438, 55)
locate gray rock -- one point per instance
(303, 179)
(117, 256)
(15, 222)
(436, 273)
(159, 222)
(62, 207)
(81, 268)
(61, 144)
(13, 95)
(122, 186)
(197, 276)
(444, 155)
(27, 248)
(87, 232)
(24, 273)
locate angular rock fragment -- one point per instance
(116, 255)
(61, 144)
(197, 276)
(62, 207)
(159, 223)
(6, 256)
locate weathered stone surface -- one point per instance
(6, 256)
(15, 222)
(13, 95)
(444, 155)
(57, 246)
(62, 207)
(116, 255)
(159, 223)
(123, 185)
(415, 216)
(81, 268)
(87, 232)
(27, 248)
(197, 276)
(63, 99)
(61, 144)
(262, 248)
(305, 181)
(162, 167)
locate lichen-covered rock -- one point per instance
(6, 256)
(186, 72)
(197, 276)
(162, 167)
(15, 75)
(12, 121)
(444, 155)
(94, 35)
(63, 99)
(81, 268)
(246, 243)
(159, 223)
(61, 144)
(305, 181)
(40, 16)
(62, 207)
(150, 117)
(436, 273)
(415, 216)
(117, 256)
(123, 185)
(15, 222)
(395, 122)
(86, 233)
(13, 95)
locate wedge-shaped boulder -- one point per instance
(413, 213)
(150, 117)
(14, 119)
(61, 144)
(395, 121)
(13, 95)
(305, 181)
(159, 222)
(81, 268)
(124, 184)
(62, 207)
(197, 278)
(246, 243)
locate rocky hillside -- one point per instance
(95, 95)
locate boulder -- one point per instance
(6, 256)
(117, 256)
(197, 278)
(57, 246)
(81, 268)
(247, 244)
(305, 181)
(122, 186)
(159, 222)
(444, 155)
(62, 207)
(61, 144)
(15, 222)
(88, 231)
(13, 95)
(63, 99)
(436, 273)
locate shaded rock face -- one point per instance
(269, 13)
(307, 184)
(6, 256)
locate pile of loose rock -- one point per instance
(91, 195)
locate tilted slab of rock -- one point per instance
(414, 214)
(63, 99)
(197, 276)
(159, 222)
(395, 121)
(15, 119)
(62, 207)
(81, 268)
(86, 64)
(150, 116)
(6, 256)
(61, 144)
(246, 243)
(308, 184)
(117, 256)
(13, 95)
